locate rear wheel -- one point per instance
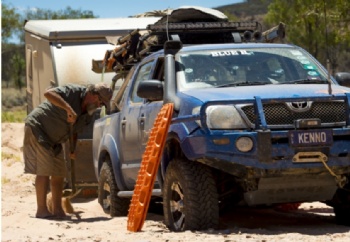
(190, 199)
(108, 193)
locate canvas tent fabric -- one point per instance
(193, 13)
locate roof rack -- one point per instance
(203, 26)
(132, 47)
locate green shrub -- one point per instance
(13, 105)
(11, 98)
(13, 116)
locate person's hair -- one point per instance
(91, 89)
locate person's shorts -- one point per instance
(40, 161)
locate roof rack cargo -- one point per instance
(190, 25)
(133, 47)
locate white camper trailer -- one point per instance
(60, 52)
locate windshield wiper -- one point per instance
(245, 83)
(305, 81)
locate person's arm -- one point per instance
(58, 101)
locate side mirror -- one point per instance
(343, 78)
(151, 90)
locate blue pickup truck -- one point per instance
(253, 124)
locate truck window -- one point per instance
(216, 68)
(120, 97)
(143, 74)
(159, 71)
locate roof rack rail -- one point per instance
(203, 26)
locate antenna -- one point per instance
(167, 22)
(326, 29)
(327, 50)
(329, 78)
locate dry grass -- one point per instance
(9, 159)
(4, 180)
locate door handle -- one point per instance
(123, 123)
(142, 120)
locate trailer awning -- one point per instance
(99, 28)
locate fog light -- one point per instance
(244, 144)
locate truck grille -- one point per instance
(280, 114)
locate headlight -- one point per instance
(223, 117)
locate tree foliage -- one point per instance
(9, 22)
(13, 54)
(67, 13)
(10, 27)
(321, 27)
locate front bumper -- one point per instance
(271, 156)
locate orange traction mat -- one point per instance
(148, 170)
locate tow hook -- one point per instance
(341, 180)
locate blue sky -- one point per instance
(115, 9)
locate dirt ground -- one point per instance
(311, 222)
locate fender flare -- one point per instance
(109, 147)
(166, 159)
(177, 132)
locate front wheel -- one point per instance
(342, 205)
(190, 198)
(108, 193)
(342, 215)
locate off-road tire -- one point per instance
(342, 206)
(109, 200)
(342, 215)
(198, 207)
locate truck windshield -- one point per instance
(250, 66)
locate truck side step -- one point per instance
(155, 192)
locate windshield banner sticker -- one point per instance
(230, 53)
(296, 52)
(312, 73)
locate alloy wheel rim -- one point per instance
(106, 196)
(177, 206)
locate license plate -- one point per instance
(310, 137)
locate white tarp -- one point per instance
(193, 14)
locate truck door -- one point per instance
(150, 109)
(130, 133)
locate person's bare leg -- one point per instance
(56, 190)
(41, 186)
